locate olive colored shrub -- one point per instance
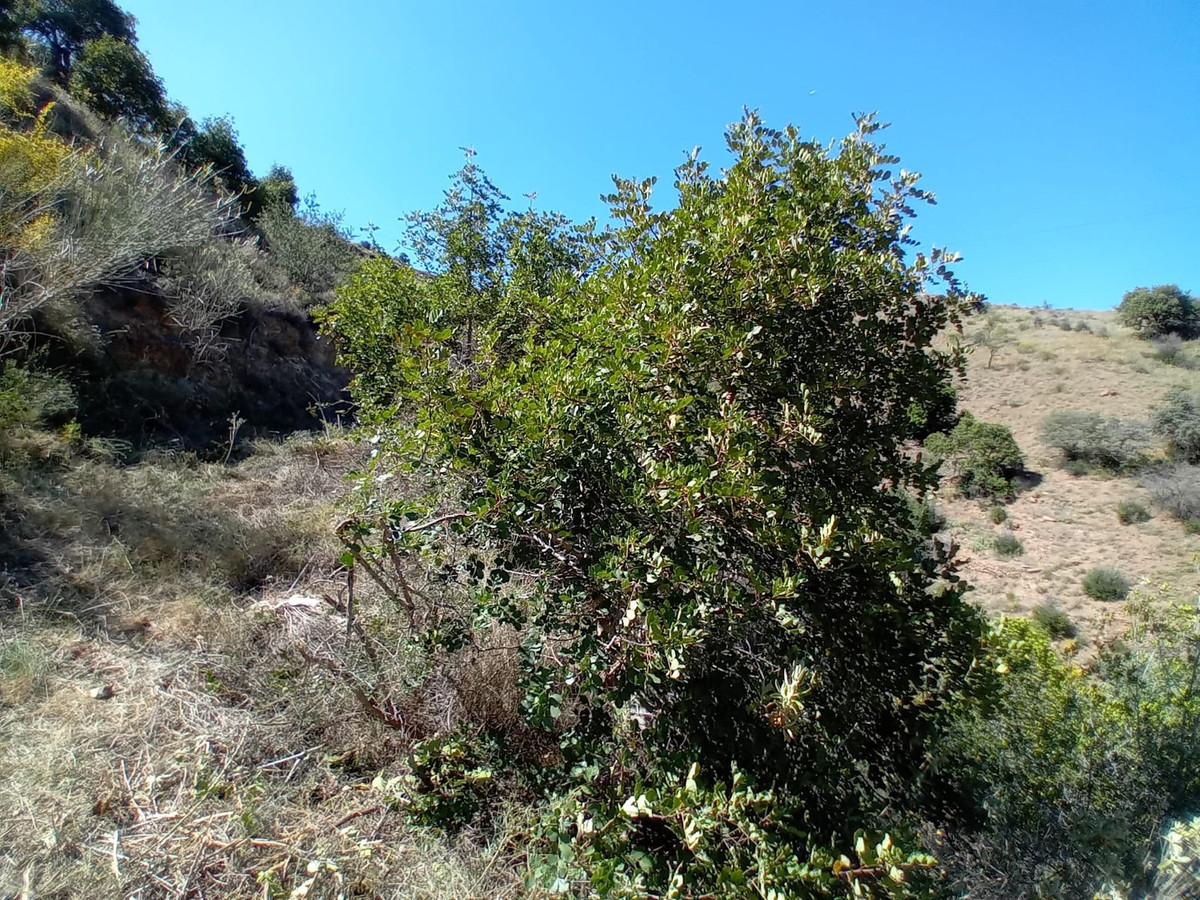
(1108, 585)
(1176, 491)
(1170, 351)
(1157, 311)
(309, 252)
(1177, 420)
(938, 413)
(927, 518)
(981, 458)
(733, 644)
(998, 515)
(1088, 437)
(1007, 545)
(1130, 512)
(29, 396)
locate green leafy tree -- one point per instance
(116, 80)
(993, 337)
(736, 639)
(63, 27)
(1157, 311)
(277, 189)
(461, 242)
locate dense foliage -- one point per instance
(733, 630)
(1157, 311)
(1072, 775)
(116, 80)
(981, 458)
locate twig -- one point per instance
(358, 813)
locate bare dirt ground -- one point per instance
(1068, 523)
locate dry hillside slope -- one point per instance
(1068, 523)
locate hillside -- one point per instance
(1067, 522)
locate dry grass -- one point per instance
(1068, 523)
(158, 738)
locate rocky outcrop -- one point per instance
(141, 378)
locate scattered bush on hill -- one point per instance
(1007, 545)
(1108, 585)
(308, 252)
(1176, 491)
(1176, 418)
(1158, 311)
(1056, 623)
(1130, 512)
(1090, 438)
(981, 458)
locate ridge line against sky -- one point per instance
(1060, 139)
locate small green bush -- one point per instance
(1056, 622)
(1169, 351)
(998, 515)
(1177, 419)
(28, 396)
(1130, 512)
(309, 251)
(1108, 585)
(982, 457)
(1007, 545)
(1089, 437)
(1064, 324)
(1162, 310)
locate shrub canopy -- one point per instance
(1153, 312)
(981, 457)
(1089, 437)
(1177, 419)
(692, 428)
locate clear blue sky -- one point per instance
(1062, 138)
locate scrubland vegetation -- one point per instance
(732, 549)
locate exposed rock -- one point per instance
(142, 379)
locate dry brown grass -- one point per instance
(1068, 523)
(156, 741)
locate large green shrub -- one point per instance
(981, 458)
(734, 638)
(1088, 437)
(1177, 419)
(1156, 311)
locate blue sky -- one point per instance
(1062, 138)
